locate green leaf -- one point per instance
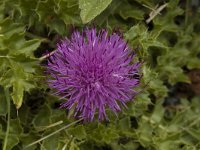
(18, 93)
(130, 146)
(166, 21)
(12, 141)
(144, 131)
(138, 35)
(17, 61)
(91, 8)
(23, 114)
(15, 131)
(29, 46)
(29, 138)
(8, 28)
(16, 77)
(124, 124)
(58, 25)
(149, 3)
(168, 145)
(137, 14)
(129, 11)
(15, 127)
(73, 146)
(135, 31)
(194, 133)
(41, 118)
(51, 143)
(155, 85)
(174, 74)
(104, 134)
(69, 13)
(193, 63)
(3, 103)
(158, 112)
(78, 132)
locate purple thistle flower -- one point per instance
(94, 71)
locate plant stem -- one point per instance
(50, 126)
(6, 90)
(186, 12)
(47, 55)
(55, 132)
(6, 57)
(154, 13)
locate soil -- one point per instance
(194, 76)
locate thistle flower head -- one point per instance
(93, 71)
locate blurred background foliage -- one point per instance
(163, 116)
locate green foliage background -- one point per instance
(160, 118)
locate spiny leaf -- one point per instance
(17, 60)
(129, 11)
(8, 28)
